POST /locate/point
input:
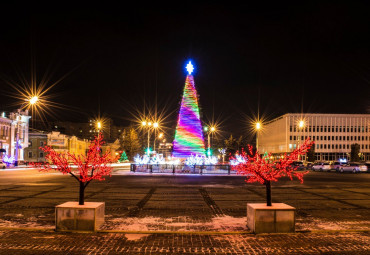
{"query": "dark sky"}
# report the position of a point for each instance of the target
(310, 57)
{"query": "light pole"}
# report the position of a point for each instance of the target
(99, 126)
(301, 125)
(258, 127)
(209, 131)
(155, 126)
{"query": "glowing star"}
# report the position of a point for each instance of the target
(189, 67)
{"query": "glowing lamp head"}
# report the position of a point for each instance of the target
(155, 124)
(213, 129)
(33, 100)
(160, 135)
(206, 129)
(301, 124)
(258, 126)
(189, 68)
(143, 123)
(149, 123)
(99, 125)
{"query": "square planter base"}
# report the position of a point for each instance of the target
(72, 216)
(278, 218)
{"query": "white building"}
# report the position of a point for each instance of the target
(333, 134)
(14, 133)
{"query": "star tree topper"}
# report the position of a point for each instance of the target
(189, 68)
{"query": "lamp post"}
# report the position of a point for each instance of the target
(258, 127)
(209, 131)
(155, 126)
(301, 125)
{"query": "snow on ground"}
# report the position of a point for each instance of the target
(181, 223)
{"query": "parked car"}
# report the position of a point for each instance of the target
(336, 165)
(368, 166)
(298, 165)
(353, 167)
(321, 166)
(2, 165)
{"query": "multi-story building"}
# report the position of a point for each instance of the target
(333, 134)
(33, 153)
(14, 134)
(59, 142)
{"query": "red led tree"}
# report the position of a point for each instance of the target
(94, 166)
(262, 170)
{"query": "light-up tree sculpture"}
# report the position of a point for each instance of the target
(189, 138)
(260, 169)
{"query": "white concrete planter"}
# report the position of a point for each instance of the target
(278, 218)
(72, 216)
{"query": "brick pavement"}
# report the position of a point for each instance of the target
(49, 242)
(192, 208)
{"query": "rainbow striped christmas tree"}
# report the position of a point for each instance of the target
(189, 134)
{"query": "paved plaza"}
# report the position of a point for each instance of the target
(184, 214)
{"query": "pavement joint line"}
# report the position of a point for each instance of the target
(329, 198)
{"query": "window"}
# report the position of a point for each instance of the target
(321, 138)
(328, 146)
(336, 129)
(324, 146)
(313, 129)
(295, 129)
(291, 128)
(30, 154)
(359, 138)
(302, 137)
(336, 146)
(317, 146)
(321, 129)
(347, 146)
(347, 138)
(309, 129)
(41, 154)
(347, 129)
(41, 144)
(317, 138)
(344, 138)
(351, 129)
(314, 138)
(325, 129)
(363, 138)
(324, 138)
(362, 146)
(351, 138)
(329, 137)
(340, 129)
(295, 138)
(290, 138)
(320, 146)
(355, 129)
(340, 146)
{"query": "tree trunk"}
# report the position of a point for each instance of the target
(81, 200)
(268, 193)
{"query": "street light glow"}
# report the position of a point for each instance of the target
(149, 123)
(33, 100)
(143, 123)
(99, 125)
(301, 124)
(155, 124)
(258, 126)
(206, 129)
(213, 129)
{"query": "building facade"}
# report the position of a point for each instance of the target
(14, 134)
(33, 153)
(333, 134)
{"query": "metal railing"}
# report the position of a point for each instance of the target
(182, 169)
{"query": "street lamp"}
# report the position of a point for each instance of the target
(301, 125)
(99, 126)
(258, 127)
(209, 131)
(155, 126)
(33, 100)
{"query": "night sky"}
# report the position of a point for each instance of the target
(274, 57)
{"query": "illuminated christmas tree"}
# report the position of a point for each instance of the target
(189, 133)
